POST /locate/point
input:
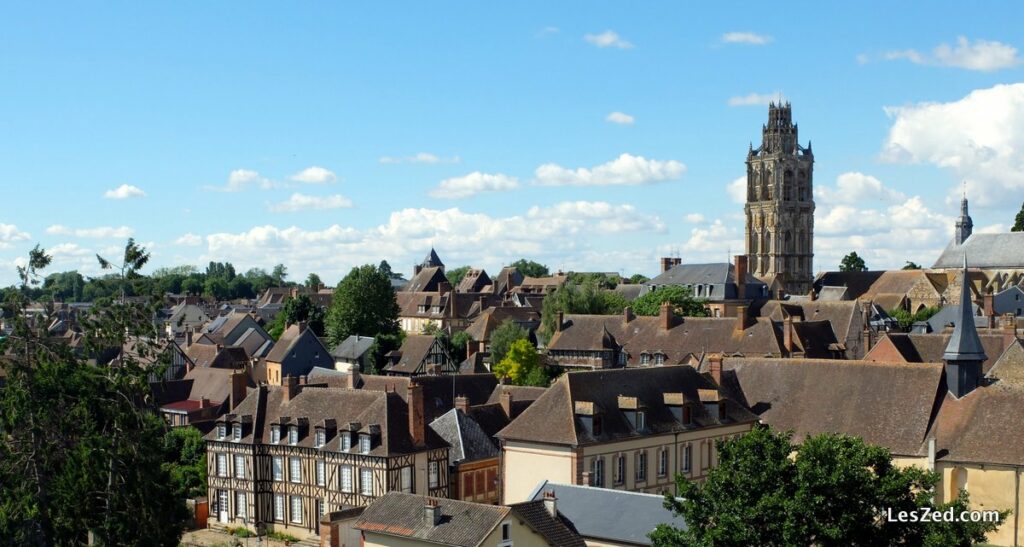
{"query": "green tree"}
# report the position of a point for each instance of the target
(636, 279)
(1018, 222)
(852, 263)
(216, 288)
(65, 286)
(260, 280)
(313, 281)
(430, 328)
(911, 266)
(830, 490)
(459, 343)
(134, 259)
(364, 303)
(680, 298)
(192, 285)
(530, 268)
(602, 280)
(587, 298)
(504, 336)
(295, 310)
(385, 269)
(279, 275)
(185, 461)
(519, 363)
(455, 275)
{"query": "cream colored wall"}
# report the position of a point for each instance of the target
(380, 540)
(903, 462)
(521, 536)
(700, 441)
(990, 487)
(525, 465)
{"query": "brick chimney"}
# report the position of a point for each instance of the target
(787, 334)
(431, 512)
(715, 367)
(561, 321)
(417, 269)
(666, 264)
(462, 403)
(585, 479)
(665, 316)
(506, 402)
(550, 503)
(417, 425)
(204, 403)
(291, 387)
(444, 287)
(188, 337)
(743, 319)
(352, 380)
(990, 312)
(627, 314)
(741, 277)
(238, 391)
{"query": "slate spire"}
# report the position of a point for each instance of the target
(964, 352)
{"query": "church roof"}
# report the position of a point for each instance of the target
(1004, 250)
(964, 344)
(432, 260)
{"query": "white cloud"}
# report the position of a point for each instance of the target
(125, 191)
(314, 175)
(625, 170)
(421, 157)
(694, 218)
(472, 184)
(982, 55)
(9, 233)
(857, 189)
(301, 202)
(240, 179)
(189, 240)
(714, 241)
(620, 118)
(750, 38)
(99, 232)
(979, 139)
(737, 190)
(608, 38)
(755, 99)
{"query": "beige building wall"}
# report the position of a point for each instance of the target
(525, 465)
(521, 536)
(991, 487)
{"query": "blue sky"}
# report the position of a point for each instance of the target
(339, 125)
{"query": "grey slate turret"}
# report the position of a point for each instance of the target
(964, 353)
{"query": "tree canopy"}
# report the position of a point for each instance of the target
(911, 266)
(530, 268)
(679, 298)
(587, 298)
(504, 336)
(521, 365)
(1018, 221)
(455, 275)
(852, 263)
(830, 490)
(298, 309)
(364, 303)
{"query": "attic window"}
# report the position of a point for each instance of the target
(645, 358)
(293, 435)
(421, 308)
(346, 441)
(275, 433)
(597, 425)
(364, 444)
(222, 430)
(321, 437)
(641, 420)
(237, 432)
(659, 359)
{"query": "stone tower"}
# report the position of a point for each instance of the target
(964, 224)
(780, 205)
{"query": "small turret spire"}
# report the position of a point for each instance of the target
(964, 352)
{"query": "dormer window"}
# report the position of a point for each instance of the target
(222, 430)
(364, 444)
(659, 359)
(293, 435)
(346, 441)
(237, 432)
(321, 437)
(645, 358)
(641, 420)
(597, 425)
(275, 434)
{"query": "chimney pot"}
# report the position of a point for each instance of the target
(238, 389)
(585, 479)
(787, 334)
(561, 321)
(743, 319)
(291, 387)
(715, 367)
(627, 314)
(741, 276)
(432, 512)
(417, 426)
(550, 503)
(666, 316)
(352, 380)
(506, 402)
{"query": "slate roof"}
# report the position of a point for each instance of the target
(474, 281)
(468, 441)
(964, 343)
(211, 356)
(1008, 369)
(426, 280)
(552, 417)
(432, 260)
(610, 515)
(353, 347)
(951, 315)
(687, 336)
(888, 404)
(412, 354)
(856, 283)
(402, 515)
(507, 279)
(983, 426)
(692, 274)
(519, 393)
(1002, 250)
(558, 531)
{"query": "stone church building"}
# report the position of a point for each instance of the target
(779, 237)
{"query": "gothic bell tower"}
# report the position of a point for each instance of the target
(779, 211)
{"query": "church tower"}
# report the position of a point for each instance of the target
(780, 205)
(964, 224)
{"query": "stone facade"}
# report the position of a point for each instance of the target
(780, 204)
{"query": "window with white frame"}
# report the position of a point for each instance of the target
(293, 435)
(346, 441)
(364, 444)
(641, 420)
(277, 463)
(296, 509)
(663, 463)
(279, 507)
(294, 470)
(406, 479)
(687, 458)
(275, 435)
(645, 358)
(222, 430)
(506, 531)
(222, 465)
(239, 466)
(240, 504)
(320, 508)
(641, 466)
(345, 478)
(433, 475)
(237, 432)
(321, 473)
(597, 472)
(620, 469)
(366, 482)
(321, 437)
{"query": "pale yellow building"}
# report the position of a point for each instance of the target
(627, 429)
